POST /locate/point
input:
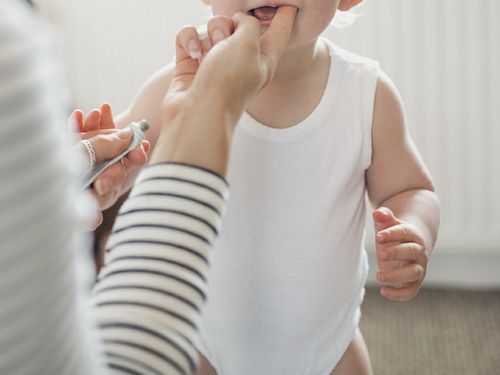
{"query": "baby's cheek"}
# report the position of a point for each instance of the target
(227, 8)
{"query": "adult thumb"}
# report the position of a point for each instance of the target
(107, 146)
(384, 218)
(276, 38)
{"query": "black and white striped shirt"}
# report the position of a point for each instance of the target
(146, 304)
(149, 294)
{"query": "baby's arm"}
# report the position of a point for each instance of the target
(146, 105)
(400, 186)
(148, 102)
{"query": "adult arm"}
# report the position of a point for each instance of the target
(42, 321)
(151, 290)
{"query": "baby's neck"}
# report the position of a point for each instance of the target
(293, 62)
(296, 89)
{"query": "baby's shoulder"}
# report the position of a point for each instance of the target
(341, 56)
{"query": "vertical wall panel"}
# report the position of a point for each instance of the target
(445, 58)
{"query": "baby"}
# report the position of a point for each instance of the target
(288, 275)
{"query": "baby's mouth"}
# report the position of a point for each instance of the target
(265, 13)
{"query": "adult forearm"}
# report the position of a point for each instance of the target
(419, 207)
(150, 293)
(198, 136)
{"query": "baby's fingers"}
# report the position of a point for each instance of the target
(92, 121)
(410, 273)
(409, 251)
(107, 120)
(75, 121)
(399, 233)
(405, 293)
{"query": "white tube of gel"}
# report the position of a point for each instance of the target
(138, 130)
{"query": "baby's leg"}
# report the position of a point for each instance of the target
(205, 368)
(356, 360)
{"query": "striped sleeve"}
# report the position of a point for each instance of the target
(42, 328)
(149, 295)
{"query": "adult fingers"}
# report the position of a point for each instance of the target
(107, 146)
(188, 45)
(275, 39)
(246, 27)
(219, 28)
(107, 120)
(105, 190)
(189, 51)
(98, 219)
(138, 156)
(109, 183)
(92, 121)
(114, 177)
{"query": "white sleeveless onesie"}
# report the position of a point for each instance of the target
(289, 268)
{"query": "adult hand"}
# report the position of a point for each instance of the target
(99, 128)
(213, 80)
(402, 256)
(237, 60)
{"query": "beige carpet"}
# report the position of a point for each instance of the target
(441, 332)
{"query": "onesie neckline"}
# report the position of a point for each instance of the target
(267, 133)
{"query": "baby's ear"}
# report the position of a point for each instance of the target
(207, 2)
(345, 5)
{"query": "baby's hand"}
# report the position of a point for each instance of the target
(401, 254)
(107, 188)
(95, 120)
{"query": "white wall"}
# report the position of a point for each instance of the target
(113, 46)
(443, 55)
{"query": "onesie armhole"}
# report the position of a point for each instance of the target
(368, 103)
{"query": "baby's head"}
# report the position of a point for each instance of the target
(313, 16)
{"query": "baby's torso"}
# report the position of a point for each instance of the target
(289, 267)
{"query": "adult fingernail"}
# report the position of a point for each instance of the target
(194, 50)
(103, 186)
(218, 36)
(124, 133)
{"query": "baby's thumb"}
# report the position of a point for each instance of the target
(384, 218)
(107, 146)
